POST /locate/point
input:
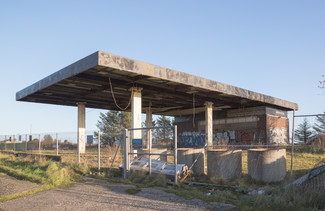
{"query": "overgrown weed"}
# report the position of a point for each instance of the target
(287, 199)
(147, 180)
(40, 170)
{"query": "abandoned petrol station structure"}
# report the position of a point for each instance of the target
(224, 113)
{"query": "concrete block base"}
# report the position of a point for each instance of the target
(187, 156)
(267, 165)
(224, 163)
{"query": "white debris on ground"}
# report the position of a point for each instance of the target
(159, 167)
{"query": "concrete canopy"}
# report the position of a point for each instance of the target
(169, 92)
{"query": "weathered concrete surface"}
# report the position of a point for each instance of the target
(267, 165)
(100, 195)
(209, 122)
(224, 163)
(122, 63)
(82, 127)
(69, 71)
(187, 156)
(101, 65)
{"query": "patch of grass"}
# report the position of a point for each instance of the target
(219, 181)
(310, 149)
(146, 180)
(26, 193)
(40, 170)
(133, 190)
(20, 174)
(108, 176)
(208, 195)
(286, 199)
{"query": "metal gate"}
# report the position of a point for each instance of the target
(138, 142)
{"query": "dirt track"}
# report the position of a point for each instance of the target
(99, 195)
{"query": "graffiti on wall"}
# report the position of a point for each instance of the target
(245, 138)
(224, 137)
(193, 139)
(278, 136)
(261, 137)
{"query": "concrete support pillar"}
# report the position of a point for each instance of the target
(81, 127)
(136, 110)
(209, 122)
(149, 124)
(148, 118)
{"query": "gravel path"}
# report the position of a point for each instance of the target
(10, 185)
(100, 195)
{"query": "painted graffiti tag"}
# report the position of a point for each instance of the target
(193, 139)
(224, 137)
(245, 138)
(278, 135)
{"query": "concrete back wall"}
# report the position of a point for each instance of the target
(257, 125)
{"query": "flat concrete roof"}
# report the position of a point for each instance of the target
(168, 91)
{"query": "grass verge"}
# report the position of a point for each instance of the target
(25, 193)
(48, 173)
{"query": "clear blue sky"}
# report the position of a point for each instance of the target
(272, 47)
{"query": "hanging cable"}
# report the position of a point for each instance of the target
(123, 109)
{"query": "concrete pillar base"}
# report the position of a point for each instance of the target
(81, 127)
(188, 155)
(267, 165)
(224, 163)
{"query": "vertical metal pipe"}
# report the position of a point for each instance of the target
(150, 145)
(14, 143)
(39, 144)
(126, 155)
(98, 151)
(293, 143)
(26, 143)
(175, 153)
(57, 145)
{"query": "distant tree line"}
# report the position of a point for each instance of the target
(112, 123)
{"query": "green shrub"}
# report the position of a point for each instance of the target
(57, 176)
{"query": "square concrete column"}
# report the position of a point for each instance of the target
(209, 122)
(81, 127)
(136, 110)
(149, 124)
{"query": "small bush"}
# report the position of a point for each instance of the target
(57, 176)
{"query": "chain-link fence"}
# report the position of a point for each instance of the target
(249, 164)
(65, 145)
(230, 164)
(238, 164)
